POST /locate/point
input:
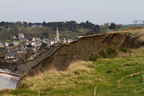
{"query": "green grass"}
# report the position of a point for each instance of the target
(121, 76)
(130, 26)
(52, 36)
(8, 41)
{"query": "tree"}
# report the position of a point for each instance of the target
(135, 22)
(45, 35)
(72, 25)
(2, 24)
(44, 24)
(97, 28)
(25, 24)
(112, 26)
(94, 30)
(43, 46)
(30, 24)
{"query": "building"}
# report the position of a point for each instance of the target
(22, 49)
(19, 56)
(10, 55)
(15, 43)
(20, 35)
(57, 35)
(6, 44)
(1, 45)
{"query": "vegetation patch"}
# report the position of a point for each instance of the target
(108, 53)
(125, 50)
(120, 76)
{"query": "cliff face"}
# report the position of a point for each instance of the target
(21, 68)
(61, 57)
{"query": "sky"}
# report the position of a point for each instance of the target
(95, 11)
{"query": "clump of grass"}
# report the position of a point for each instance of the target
(103, 54)
(26, 92)
(93, 57)
(125, 50)
(108, 53)
(118, 76)
(5, 91)
(75, 76)
(112, 52)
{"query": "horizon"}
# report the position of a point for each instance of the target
(97, 12)
(70, 20)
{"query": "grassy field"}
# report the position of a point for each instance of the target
(130, 26)
(120, 76)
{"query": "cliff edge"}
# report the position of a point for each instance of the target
(64, 55)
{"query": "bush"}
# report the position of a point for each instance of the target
(103, 54)
(93, 57)
(124, 50)
(108, 53)
(111, 52)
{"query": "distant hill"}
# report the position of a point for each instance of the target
(68, 29)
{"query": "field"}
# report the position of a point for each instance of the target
(120, 76)
(130, 26)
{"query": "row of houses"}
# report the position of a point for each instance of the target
(6, 44)
(33, 43)
(15, 54)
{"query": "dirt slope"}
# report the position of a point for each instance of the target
(83, 48)
(24, 67)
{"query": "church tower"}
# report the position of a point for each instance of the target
(57, 35)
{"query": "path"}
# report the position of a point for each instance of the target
(130, 75)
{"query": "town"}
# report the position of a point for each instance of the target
(23, 49)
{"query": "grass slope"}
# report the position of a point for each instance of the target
(120, 76)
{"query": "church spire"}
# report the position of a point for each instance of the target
(57, 35)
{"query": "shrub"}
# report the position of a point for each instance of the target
(24, 86)
(108, 53)
(111, 52)
(124, 50)
(103, 54)
(93, 57)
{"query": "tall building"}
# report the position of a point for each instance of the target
(20, 35)
(57, 35)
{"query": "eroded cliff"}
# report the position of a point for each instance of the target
(24, 67)
(64, 55)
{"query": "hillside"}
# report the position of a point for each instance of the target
(81, 49)
(111, 77)
(118, 76)
(68, 29)
(40, 32)
(117, 69)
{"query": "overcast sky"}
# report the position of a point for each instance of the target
(96, 11)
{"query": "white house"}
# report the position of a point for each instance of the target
(15, 43)
(52, 42)
(1, 45)
(6, 44)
